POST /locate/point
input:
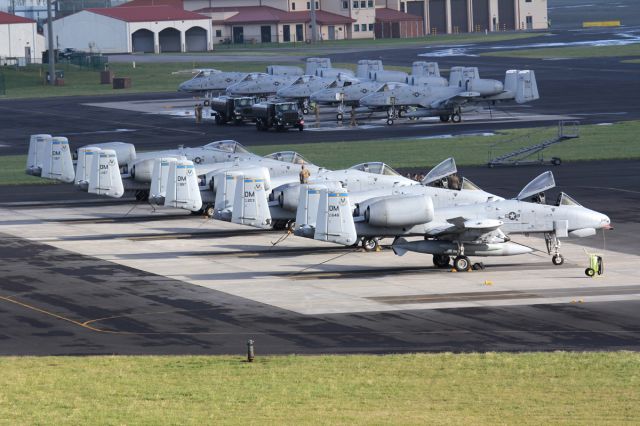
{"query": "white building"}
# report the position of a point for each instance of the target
(134, 29)
(19, 38)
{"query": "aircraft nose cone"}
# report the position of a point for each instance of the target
(605, 222)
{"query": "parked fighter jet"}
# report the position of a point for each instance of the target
(474, 229)
(210, 81)
(306, 85)
(448, 102)
(371, 76)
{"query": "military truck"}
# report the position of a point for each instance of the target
(281, 115)
(232, 109)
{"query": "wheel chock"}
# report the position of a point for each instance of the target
(487, 282)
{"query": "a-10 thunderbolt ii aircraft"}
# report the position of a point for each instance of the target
(465, 90)
(265, 86)
(349, 94)
(208, 82)
(479, 229)
(50, 157)
(363, 182)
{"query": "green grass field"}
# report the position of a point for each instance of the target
(535, 388)
(12, 171)
(146, 77)
(571, 52)
(616, 141)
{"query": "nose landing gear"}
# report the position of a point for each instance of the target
(553, 246)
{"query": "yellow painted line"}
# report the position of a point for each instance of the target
(51, 314)
(592, 24)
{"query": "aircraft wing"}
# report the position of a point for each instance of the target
(463, 229)
(457, 99)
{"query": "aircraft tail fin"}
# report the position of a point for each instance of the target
(38, 145)
(105, 176)
(58, 164)
(527, 87)
(335, 220)
(159, 179)
(182, 186)
(250, 206)
(86, 156)
(307, 211)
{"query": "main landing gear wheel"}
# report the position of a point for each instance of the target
(208, 211)
(461, 263)
(370, 244)
(441, 260)
(401, 113)
(444, 118)
(589, 272)
(456, 118)
(305, 111)
(557, 260)
(389, 121)
(556, 161)
(339, 116)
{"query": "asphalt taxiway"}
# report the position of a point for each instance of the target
(102, 279)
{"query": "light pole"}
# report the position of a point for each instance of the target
(51, 55)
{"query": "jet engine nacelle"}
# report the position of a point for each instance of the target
(288, 196)
(423, 81)
(485, 87)
(125, 152)
(388, 76)
(142, 170)
(38, 145)
(405, 210)
(284, 70)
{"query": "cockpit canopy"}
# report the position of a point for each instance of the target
(375, 168)
(229, 146)
(566, 200)
(287, 157)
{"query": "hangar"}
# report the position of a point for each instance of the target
(152, 29)
(19, 38)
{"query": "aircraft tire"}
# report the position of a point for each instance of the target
(556, 161)
(305, 111)
(444, 118)
(339, 116)
(589, 272)
(557, 260)
(389, 121)
(461, 263)
(401, 113)
(456, 118)
(441, 260)
(370, 244)
(208, 210)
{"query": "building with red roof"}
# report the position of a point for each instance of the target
(127, 29)
(19, 40)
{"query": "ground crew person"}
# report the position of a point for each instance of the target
(198, 113)
(304, 175)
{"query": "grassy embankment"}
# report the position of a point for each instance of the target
(534, 388)
(617, 141)
(629, 50)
